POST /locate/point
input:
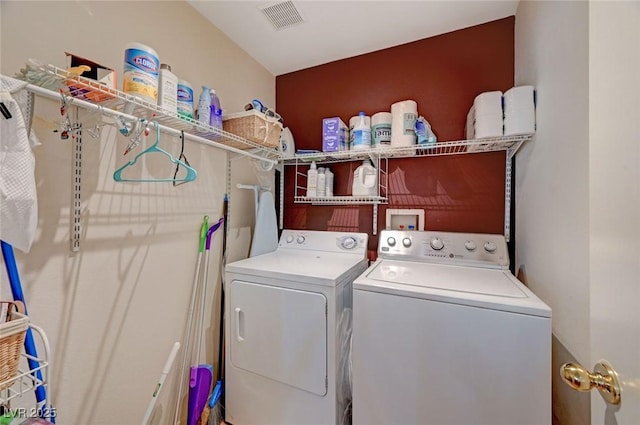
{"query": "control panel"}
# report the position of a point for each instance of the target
(315, 240)
(473, 249)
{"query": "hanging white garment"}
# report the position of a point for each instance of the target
(18, 201)
(265, 233)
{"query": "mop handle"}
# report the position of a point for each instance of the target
(163, 376)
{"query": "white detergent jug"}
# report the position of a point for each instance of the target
(365, 180)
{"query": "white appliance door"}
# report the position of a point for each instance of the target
(280, 333)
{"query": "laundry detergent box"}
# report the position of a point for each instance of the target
(95, 83)
(334, 134)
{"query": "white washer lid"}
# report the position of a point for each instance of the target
(316, 267)
(480, 287)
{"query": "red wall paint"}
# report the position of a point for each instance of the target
(443, 74)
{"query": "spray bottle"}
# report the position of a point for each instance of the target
(215, 119)
(204, 106)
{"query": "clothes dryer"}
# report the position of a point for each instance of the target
(444, 334)
(288, 314)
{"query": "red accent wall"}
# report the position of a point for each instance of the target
(443, 74)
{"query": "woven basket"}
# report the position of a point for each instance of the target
(253, 126)
(12, 333)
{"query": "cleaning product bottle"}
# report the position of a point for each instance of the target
(168, 89)
(312, 181)
(185, 99)
(140, 76)
(322, 183)
(362, 133)
(365, 180)
(216, 110)
(329, 183)
(204, 106)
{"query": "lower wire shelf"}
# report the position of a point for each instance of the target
(18, 395)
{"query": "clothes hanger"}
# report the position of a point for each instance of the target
(191, 172)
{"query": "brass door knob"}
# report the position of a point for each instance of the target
(604, 378)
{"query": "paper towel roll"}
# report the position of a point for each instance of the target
(519, 113)
(521, 97)
(403, 121)
(521, 121)
(488, 103)
(488, 126)
(381, 130)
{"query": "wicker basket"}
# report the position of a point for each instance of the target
(12, 333)
(253, 126)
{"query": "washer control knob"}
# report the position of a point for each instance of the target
(289, 238)
(300, 239)
(437, 244)
(349, 242)
(490, 246)
(391, 241)
(406, 242)
(470, 245)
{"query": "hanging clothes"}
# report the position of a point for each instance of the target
(18, 200)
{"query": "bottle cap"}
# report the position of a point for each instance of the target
(165, 66)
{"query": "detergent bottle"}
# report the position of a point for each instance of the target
(365, 180)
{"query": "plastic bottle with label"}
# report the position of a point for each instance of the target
(362, 133)
(322, 183)
(312, 181)
(185, 99)
(365, 180)
(216, 110)
(168, 89)
(141, 68)
(204, 106)
(329, 183)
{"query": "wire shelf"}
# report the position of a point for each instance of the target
(507, 143)
(86, 89)
(28, 378)
(341, 200)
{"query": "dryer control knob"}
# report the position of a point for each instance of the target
(470, 245)
(300, 239)
(391, 241)
(406, 242)
(289, 238)
(349, 242)
(437, 244)
(490, 246)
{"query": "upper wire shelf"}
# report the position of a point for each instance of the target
(86, 89)
(507, 143)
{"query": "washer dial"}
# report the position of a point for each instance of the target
(490, 246)
(349, 242)
(437, 244)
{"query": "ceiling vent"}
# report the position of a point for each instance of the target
(282, 15)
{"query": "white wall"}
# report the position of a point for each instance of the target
(552, 182)
(113, 310)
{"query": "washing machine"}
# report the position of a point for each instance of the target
(288, 317)
(444, 334)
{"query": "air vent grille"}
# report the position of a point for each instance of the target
(283, 15)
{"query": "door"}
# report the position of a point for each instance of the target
(279, 333)
(614, 198)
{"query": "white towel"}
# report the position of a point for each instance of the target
(265, 233)
(18, 201)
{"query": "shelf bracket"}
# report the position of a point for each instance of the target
(507, 199)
